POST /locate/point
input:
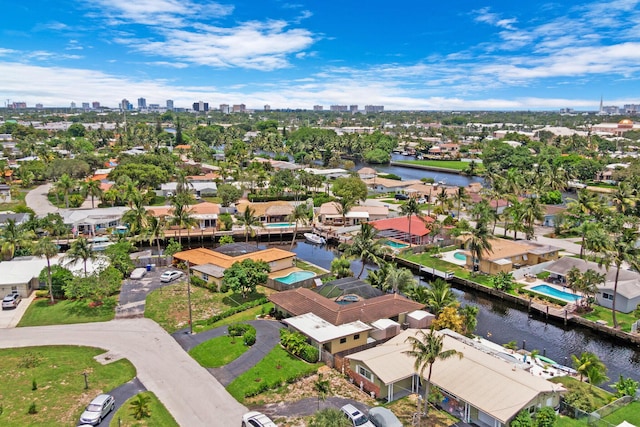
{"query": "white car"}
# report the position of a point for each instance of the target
(11, 301)
(357, 418)
(98, 409)
(170, 275)
(256, 419)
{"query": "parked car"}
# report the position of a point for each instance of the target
(357, 418)
(400, 196)
(98, 409)
(170, 275)
(138, 273)
(422, 201)
(382, 417)
(11, 301)
(256, 419)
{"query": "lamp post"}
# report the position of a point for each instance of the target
(189, 297)
(86, 380)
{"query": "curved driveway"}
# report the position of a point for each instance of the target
(189, 392)
(37, 200)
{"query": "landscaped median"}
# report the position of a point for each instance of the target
(158, 414)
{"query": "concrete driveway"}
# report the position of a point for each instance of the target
(37, 200)
(189, 392)
(10, 318)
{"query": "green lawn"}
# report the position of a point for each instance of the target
(243, 316)
(310, 267)
(601, 313)
(168, 306)
(427, 260)
(273, 370)
(41, 312)
(160, 417)
(446, 164)
(218, 351)
(564, 421)
(630, 413)
(598, 396)
(60, 396)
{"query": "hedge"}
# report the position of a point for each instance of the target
(231, 312)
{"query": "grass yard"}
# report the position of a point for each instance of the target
(597, 395)
(218, 351)
(601, 313)
(630, 413)
(60, 396)
(273, 370)
(427, 260)
(243, 316)
(456, 165)
(310, 267)
(168, 306)
(63, 312)
(564, 421)
(160, 417)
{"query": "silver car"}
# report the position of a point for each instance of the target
(11, 301)
(170, 275)
(98, 409)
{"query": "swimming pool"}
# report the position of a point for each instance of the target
(395, 245)
(555, 293)
(460, 256)
(279, 225)
(296, 276)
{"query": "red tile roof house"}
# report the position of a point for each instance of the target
(398, 228)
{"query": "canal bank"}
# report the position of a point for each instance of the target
(426, 167)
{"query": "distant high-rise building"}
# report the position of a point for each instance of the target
(39, 106)
(18, 105)
(267, 107)
(201, 106)
(339, 108)
(169, 104)
(225, 108)
(85, 106)
(142, 104)
(125, 105)
(73, 105)
(353, 108)
(239, 108)
(95, 105)
(317, 108)
(373, 108)
(631, 108)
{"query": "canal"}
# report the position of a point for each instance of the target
(502, 322)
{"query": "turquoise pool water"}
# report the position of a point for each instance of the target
(395, 245)
(555, 293)
(460, 256)
(279, 225)
(296, 276)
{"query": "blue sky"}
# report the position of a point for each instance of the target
(414, 54)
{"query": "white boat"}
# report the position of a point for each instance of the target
(314, 238)
(99, 243)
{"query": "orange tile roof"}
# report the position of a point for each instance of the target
(401, 223)
(301, 300)
(197, 209)
(207, 256)
(98, 177)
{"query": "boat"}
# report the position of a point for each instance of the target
(99, 243)
(314, 238)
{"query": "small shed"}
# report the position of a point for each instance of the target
(383, 329)
(420, 319)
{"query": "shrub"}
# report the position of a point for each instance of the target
(310, 354)
(32, 409)
(249, 338)
(238, 329)
(231, 311)
(196, 281)
(34, 385)
(42, 293)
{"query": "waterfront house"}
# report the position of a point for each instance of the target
(386, 185)
(367, 173)
(205, 214)
(507, 255)
(329, 214)
(628, 293)
(197, 188)
(93, 221)
(268, 212)
(398, 228)
(477, 388)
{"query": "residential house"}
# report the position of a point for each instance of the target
(210, 265)
(506, 255)
(478, 388)
(328, 173)
(448, 150)
(398, 228)
(197, 188)
(551, 212)
(628, 292)
(367, 173)
(205, 214)
(18, 218)
(268, 212)
(329, 214)
(93, 221)
(386, 185)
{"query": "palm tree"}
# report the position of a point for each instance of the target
(341, 267)
(45, 247)
(80, 250)
(439, 296)
(137, 217)
(13, 237)
(155, 230)
(408, 209)
(299, 214)
(532, 212)
(399, 279)
(366, 246)
(623, 198)
(92, 188)
(426, 349)
(344, 206)
(181, 216)
(460, 197)
(443, 198)
(586, 362)
(248, 221)
(513, 182)
(65, 185)
(515, 212)
(620, 248)
(478, 243)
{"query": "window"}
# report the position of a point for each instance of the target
(343, 340)
(205, 277)
(364, 372)
(356, 337)
(607, 296)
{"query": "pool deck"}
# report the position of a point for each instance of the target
(283, 272)
(539, 282)
(449, 257)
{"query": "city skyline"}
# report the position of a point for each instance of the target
(474, 56)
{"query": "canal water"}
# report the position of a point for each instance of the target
(502, 322)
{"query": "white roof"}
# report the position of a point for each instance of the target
(486, 382)
(322, 331)
(22, 269)
(420, 314)
(384, 324)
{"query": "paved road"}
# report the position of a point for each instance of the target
(188, 391)
(37, 200)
